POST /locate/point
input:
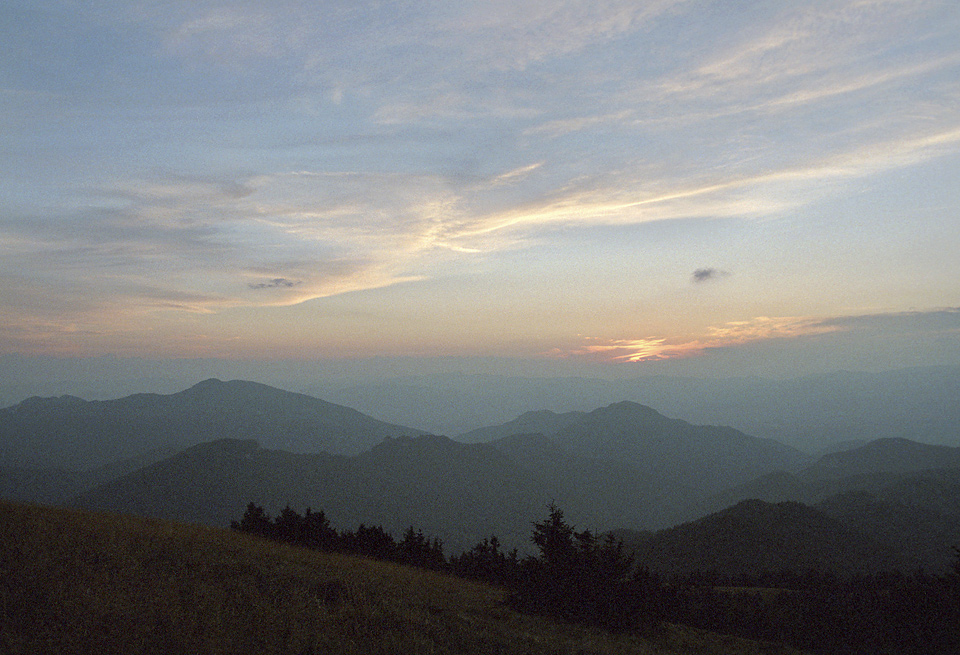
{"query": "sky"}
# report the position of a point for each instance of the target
(613, 186)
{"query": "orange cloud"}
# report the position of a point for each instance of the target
(638, 350)
(734, 333)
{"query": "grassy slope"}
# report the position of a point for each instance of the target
(80, 582)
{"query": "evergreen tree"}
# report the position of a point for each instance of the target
(578, 577)
(554, 538)
(254, 521)
(288, 526)
(317, 532)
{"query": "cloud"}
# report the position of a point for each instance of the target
(723, 336)
(767, 327)
(637, 350)
(175, 244)
(511, 35)
(390, 227)
(275, 283)
(729, 194)
(561, 126)
(706, 274)
(459, 131)
(896, 327)
(355, 230)
(234, 35)
(801, 44)
(943, 320)
(516, 174)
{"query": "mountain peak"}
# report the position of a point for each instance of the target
(536, 414)
(708, 458)
(208, 383)
(635, 414)
(215, 384)
(72, 433)
(628, 406)
(226, 445)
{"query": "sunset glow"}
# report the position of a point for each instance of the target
(672, 179)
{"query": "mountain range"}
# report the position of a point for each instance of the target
(71, 433)
(461, 492)
(202, 454)
(908, 522)
(811, 413)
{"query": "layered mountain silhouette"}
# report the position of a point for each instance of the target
(671, 451)
(811, 413)
(75, 434)
(542, 422)
(720, 498)
(894, 455)
(872, 467)
(460, 492)
(851, 532)
(890, 504)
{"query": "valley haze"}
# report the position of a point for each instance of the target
(456, 397)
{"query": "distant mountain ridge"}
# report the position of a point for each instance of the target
(810, 412)
(621, 465)
(466, 492)
(72, 433)
(853, 532)
(895, 455)
(890, 504)
(542, 422)
(201, 454)
(871, 467)
(672, 451)
(461, 492)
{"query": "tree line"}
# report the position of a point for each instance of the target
(584, 577)
(313, 530)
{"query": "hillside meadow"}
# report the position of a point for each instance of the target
(81, 582)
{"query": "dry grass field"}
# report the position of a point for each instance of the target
(80, 582)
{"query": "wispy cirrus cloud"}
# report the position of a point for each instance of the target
(212, 158)
(351, 231)
(347, 238)
(509, 35)
(636, 350)
(202, 245)
(807, 40)
(729, 193)
(561, 126)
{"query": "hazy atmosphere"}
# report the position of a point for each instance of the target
(543, 188)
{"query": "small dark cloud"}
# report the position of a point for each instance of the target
(706, 274)
(275, 283)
